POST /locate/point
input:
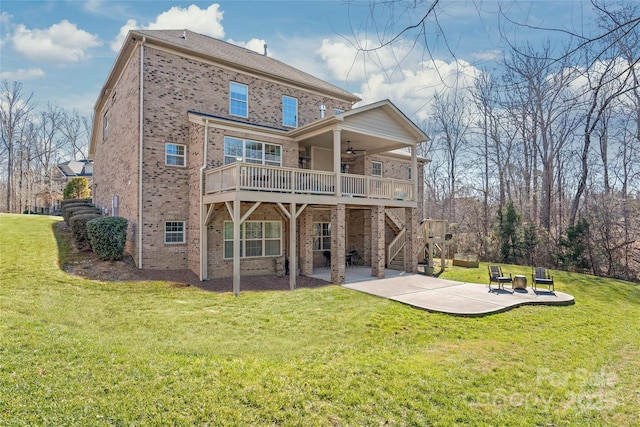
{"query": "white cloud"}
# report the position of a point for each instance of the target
(397, 73)
(22, 74)
(61, 43)
(414, 91)
(347, 61)
(116, 44)
(204, 21)
(490, 55)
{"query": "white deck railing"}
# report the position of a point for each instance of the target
(251, 177)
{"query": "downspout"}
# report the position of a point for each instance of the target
(203, 214)
(140, 148)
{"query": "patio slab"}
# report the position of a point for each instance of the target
(447, 296)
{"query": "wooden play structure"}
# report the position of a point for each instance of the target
(433, 233)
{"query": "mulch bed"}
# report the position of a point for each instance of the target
(86, 264)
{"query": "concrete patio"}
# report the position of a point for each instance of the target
(446, 296)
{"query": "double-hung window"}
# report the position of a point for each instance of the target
(257, 239)
(174, 155)
(376, 168)
(289, 111)
(174, 232)
(238, 96)
(244, 150)
(321, 233)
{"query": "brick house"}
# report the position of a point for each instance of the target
(227, 162)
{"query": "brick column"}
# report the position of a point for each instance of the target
(366, 249)
(338, 234)
(377, 242)
(305, 244)
(411, 236)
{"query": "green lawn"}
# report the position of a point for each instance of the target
(77, 352)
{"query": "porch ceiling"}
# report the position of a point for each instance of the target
(370, 144)
(373, 128)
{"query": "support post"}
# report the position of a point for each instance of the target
(411, 251)
(236, 247)
(338, 236)
(305, 243)
(293, 252)
(336, 160)
(377, 242)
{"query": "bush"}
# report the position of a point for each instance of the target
(66, 202)
(108, 236)
(79, 229)
(72, 210)
(78, 188)
(76, 202)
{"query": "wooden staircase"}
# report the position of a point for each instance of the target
(395, 249)
(397, 263)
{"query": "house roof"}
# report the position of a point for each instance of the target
(239, 58)
(217, 51)
(374, 128)
(75, 168)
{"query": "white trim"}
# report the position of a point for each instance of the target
(140, 153)
(378, 163)
(244, 239)
(183, 232)
(177, 156)
(231, 82)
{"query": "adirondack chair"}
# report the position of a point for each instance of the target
(542, 277)
(496, 276)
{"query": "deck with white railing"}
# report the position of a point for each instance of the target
(252, 177)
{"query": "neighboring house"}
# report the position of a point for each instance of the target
(65, 172)
(75, 168)
(225, 162)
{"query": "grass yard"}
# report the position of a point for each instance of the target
(77, 352)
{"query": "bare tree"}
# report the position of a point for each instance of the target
(73, 127)
(451, 120)
(15, 110)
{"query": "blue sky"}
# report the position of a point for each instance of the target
(62, 51)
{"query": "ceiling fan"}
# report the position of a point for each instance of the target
(350, 149)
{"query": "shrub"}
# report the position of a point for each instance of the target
(67, 202)
(108, 236)
(79, 229)
(78, 188)
(76, 202)
(70, 211)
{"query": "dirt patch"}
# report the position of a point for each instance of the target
(86, 264)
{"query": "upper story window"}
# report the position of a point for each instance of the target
(289, 111)
(174, 232)
(244, 150)
(174, 155)
(105, 125)
(238, 96)
(376, 168)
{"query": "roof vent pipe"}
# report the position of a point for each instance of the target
(265, 49)
(184, 34)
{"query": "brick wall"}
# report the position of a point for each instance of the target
(220, 267)
(174, 85)
(116, 171)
